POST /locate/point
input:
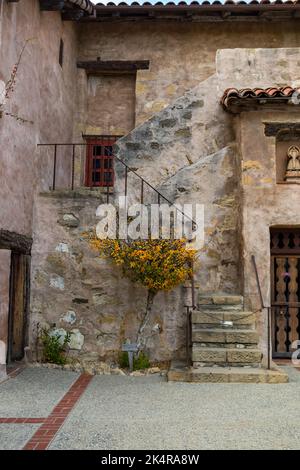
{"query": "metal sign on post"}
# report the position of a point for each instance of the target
(130, 348)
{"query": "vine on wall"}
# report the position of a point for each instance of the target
(9, 88)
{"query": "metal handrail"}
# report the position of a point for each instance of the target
(127, 167)
(263, 306)
(258, 282)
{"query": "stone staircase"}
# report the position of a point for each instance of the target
(224, 345)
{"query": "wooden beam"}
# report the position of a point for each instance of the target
(15, 242)
(114, 65)
(51, 5)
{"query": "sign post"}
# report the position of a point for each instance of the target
(130, 348)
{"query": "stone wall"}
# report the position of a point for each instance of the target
(182, 54)
(75, 290)
(187, 151)
(264, 202)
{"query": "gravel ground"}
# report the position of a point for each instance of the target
(15, 436)
(118, 412)
(34, 392)
(149, 413)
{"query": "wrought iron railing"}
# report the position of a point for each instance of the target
(189, 310)
(264, 307)
(144, 184)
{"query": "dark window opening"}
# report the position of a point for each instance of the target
(100, 161)
(61, 52)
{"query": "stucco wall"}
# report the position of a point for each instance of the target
(264, 202)
(45, 94)
(111, 104)
(181, 54)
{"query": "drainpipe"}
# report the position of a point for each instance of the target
(84, 5)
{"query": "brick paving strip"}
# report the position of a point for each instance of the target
(51, 425)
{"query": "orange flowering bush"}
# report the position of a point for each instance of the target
(155, 264)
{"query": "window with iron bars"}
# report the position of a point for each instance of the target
(100, 161)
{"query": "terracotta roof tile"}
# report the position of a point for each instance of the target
(234, 97)
(200, 3)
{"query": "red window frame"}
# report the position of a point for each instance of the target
(99, 171)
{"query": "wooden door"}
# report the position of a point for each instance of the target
(19, 305)
(285, 272)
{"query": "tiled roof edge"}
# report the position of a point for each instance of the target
(202, 4)
(234, 95)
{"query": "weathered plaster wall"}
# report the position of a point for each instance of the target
(44, 93)
(82, 293)
(111, 104)
(181, 54)
(264, 202)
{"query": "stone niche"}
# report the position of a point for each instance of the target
(287, 151)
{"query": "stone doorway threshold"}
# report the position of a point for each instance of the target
(180, 372)
(286, 362)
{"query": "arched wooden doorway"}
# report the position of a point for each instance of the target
(285, 290)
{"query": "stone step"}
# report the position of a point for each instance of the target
(225, 356)
(221, 300)
(181, 373)
(221, 335)
(213, 317)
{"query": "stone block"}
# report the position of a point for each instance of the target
(77, 339)
(171, 122)
(69, 220)
(60, 333)
(208, 354)
(224, 375)
(57, 282)
(227, 299)
(216, 317)
(183, 133)
(242, 336)
(69, 317)
(62, 248)
(209, 336)
(244, 355)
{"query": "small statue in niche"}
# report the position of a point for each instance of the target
(293, 164)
